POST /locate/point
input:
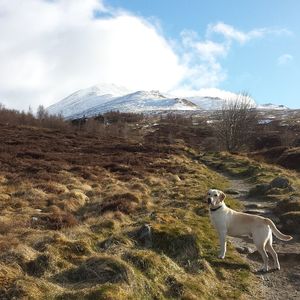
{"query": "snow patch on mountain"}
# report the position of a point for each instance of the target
(86, 98)
(215, 103)
(270, 106)
(101, 98)
(141, 101)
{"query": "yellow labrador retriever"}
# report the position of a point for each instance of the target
(233, 223)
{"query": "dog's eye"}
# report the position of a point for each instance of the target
(215, 195)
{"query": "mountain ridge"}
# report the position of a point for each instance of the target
(104, 97)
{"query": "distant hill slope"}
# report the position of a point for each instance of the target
(110, 97)
(141, 101)
(86, 98)
(270, 106)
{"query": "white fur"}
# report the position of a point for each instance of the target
(233, 223)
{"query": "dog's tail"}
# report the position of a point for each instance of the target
(276, 232)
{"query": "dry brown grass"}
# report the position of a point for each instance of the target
(71, 201)
(56, 220)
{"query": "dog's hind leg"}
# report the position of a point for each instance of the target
(262, 251)
(260, 239)
(271, 250)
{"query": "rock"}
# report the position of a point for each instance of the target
(279, 191)
(144, 235)
(290, 158)
(252, 206)
(295, 276)
(290, 221)
(243, 250)
(232, 192)
(239, 249)
(280, 182)
(34, 219)
(289, 204)
(260, 189)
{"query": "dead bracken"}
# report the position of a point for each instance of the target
(103, 213)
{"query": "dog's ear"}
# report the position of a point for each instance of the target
(222, 196)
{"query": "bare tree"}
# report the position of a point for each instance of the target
(236, 122)
(41, 113)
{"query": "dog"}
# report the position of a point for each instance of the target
(233, 223)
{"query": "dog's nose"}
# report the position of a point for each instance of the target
(209, 200)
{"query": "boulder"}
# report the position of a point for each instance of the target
(260, 189)
(290, 159)
(144, 235)
(280, 182)
(232, 192)
(290, 222)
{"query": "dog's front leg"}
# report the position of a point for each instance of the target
(223, 244)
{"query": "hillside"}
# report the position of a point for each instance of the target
(86, 98)
(140, 102)
(109, 97)
(75, 217)
(103, 98)
(118, 212)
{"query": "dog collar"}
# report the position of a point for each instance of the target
(214, 209)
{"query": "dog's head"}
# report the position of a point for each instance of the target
(215, 197)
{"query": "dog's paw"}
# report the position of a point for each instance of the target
(262, 270)
(221, 256)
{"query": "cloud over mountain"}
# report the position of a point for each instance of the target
(51, 48)
(48, 49)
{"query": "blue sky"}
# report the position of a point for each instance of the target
(52, 48)
(268, 67)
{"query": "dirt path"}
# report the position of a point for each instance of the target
(283, 284)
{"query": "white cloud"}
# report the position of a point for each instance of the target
(284, 59)
(232, 34)
(204, 56)
(227, 31)
(51, 48)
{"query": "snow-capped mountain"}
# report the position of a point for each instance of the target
(102, 98)
(141, 101)
(86, 98)
(215, 103)
(270, 106)
(106, 97)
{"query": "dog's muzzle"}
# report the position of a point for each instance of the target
(209, 200)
